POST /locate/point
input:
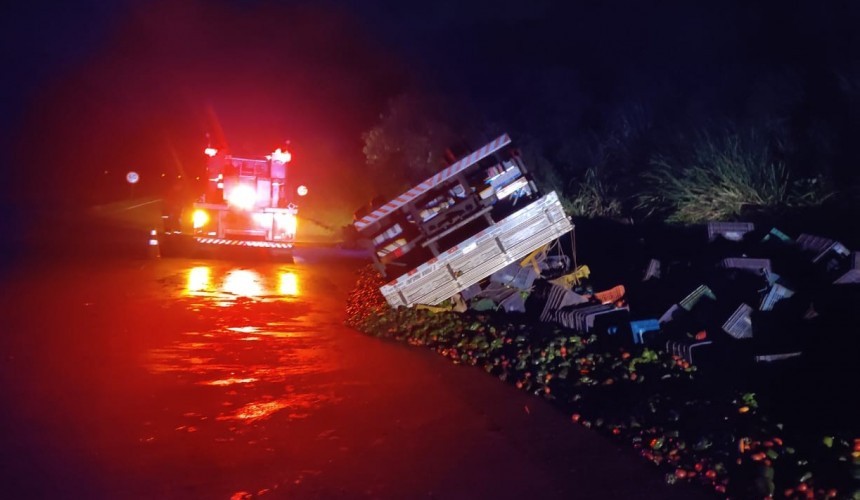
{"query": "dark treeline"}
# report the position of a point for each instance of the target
(596, 94)
(599, 95)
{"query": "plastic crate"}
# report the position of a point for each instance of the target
(652, 270)
(610, 296)
(733, 231)
(770, 358)
(607, 321)
(516, 276)
(686, 350)
(577, 318)
(691, 300)
(670, 313)
(557, 298)
(776, 234)
(818, 247)
(640, 327)
(513, 303)
(776, 293)
(739, 324)
(758, 266)
(853, 273)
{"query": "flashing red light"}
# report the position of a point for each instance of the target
(210, 152)
(281, 156)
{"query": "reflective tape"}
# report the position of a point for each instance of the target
(243, 243)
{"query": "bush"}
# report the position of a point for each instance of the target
(594, 198)
(722, 177)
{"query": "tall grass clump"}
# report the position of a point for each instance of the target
(594, 197)
(722, 177)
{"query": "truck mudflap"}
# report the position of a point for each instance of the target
(479, 256)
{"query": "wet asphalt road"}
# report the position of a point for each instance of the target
(212, 378)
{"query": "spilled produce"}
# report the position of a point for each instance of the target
(696, 427)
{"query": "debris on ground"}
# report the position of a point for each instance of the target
(723, 362)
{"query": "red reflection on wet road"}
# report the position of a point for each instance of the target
(160, 380)
(252, 355)
(199, 280)
(243, 283)
(289, 283)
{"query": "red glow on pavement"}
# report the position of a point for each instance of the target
(299, 406)
(199, 280)
(243, 283)
(257, 410)
(251, 381)
(289, 284)
(230, 381)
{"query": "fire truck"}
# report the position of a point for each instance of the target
(471, 219)
(246, 201)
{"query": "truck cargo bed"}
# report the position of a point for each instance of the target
(477, 257)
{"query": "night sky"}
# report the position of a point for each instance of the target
(115, 86)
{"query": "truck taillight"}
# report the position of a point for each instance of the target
(199, 218)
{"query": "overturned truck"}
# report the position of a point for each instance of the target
(459, 226)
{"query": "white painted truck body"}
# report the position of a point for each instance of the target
(459, 226)
(463, 265)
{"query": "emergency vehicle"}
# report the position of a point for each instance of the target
(246, 201)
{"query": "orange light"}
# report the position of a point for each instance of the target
(242, 197)
(289, 284)
(199, 280)
(210, 152)
(243, 283)
(199, 218)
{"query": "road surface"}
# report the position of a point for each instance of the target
(127, 377)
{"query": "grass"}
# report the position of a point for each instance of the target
(721, 179)
(139, 213)
(594, 198)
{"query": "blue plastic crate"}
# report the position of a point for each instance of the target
(642, 326)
